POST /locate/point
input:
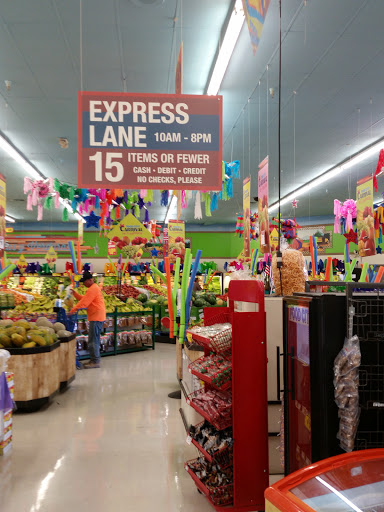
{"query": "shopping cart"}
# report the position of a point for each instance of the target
(70, 322)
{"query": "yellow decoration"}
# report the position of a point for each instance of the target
(21, 264)
(51, 257)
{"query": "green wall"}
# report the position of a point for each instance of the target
(213, 244)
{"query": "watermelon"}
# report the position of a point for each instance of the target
(142, 297)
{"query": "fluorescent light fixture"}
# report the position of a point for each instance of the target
(328, 175)
(17, 156)
(171, 206)
(228, 45)
(12, 152)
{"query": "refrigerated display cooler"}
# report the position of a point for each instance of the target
(345, 483)
(315, 326)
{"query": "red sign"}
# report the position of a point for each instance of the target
(149, 141)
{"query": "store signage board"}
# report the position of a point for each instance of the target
(246, 216)
(176, 240)
(128, 230)
(3, 201)
(149, 141)
(265, 246)
(365, 217)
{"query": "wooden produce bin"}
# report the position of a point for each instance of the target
(37, 375)
(67, 361)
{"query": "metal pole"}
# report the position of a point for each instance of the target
(279, 255)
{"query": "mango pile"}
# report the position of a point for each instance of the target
(23, 334)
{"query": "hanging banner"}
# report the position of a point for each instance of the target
(255, 12)
(247, 216)
(149, 141)
(112, 250)
(3, 200)
(365, 217)
(130, 231)
(179, 72)
(263, 207)
(176, 239)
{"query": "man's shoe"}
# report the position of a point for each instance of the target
(90, 365)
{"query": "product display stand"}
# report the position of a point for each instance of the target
(113, 347)
(246, 313)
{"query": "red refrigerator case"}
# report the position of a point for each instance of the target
(345, 483)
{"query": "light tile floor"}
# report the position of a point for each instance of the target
(112, 442)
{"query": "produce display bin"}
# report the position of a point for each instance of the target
(67, 360)
(36, 374)
(348, 482)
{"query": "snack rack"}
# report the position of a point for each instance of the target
(249, 399)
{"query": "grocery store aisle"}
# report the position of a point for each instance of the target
(113, 441)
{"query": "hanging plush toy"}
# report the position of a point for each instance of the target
(240, 225)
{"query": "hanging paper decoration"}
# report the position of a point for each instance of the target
(39, 193)
(351, 237)
(207, 200)
(289, 229)
(254, 226)
(198, 213)
(295, 203)
(380, 165)
(240, 225)
(337, 212)
(92, 220)
(349, 212)
(164, 197)
(214, 202)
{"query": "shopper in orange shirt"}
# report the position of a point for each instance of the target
(93, 301)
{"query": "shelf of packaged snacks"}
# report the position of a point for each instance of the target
(111, 347)
(218, 370)
(246, 462)
(221, 451)
(219, 496)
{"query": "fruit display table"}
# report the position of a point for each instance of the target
(37, 374)
(67, 361)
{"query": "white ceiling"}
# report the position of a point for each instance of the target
(332, 56)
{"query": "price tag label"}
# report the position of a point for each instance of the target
(190, 371)
(189, 337)
(186, 468)
(189, 440)
(188, 402)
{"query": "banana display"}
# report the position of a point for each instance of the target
(37, 305)
(45, 303)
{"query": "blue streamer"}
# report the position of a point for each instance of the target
(380, 234)
(214, 202)
(97, 202)
(229, 188)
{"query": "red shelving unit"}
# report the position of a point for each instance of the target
(246, 313)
